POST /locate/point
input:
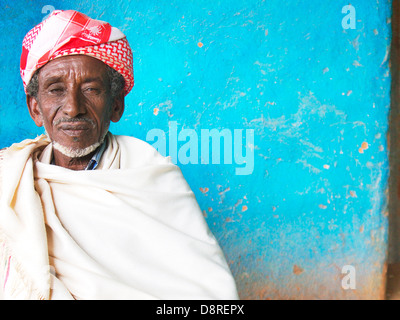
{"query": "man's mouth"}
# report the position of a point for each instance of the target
(75, 127)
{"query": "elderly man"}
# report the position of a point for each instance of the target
(85, 214)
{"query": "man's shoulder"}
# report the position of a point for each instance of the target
(2, 152)
(140, 150)
(1, 161)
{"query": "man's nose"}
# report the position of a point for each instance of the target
(73, 105)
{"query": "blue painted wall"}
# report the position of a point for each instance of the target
(312, 196)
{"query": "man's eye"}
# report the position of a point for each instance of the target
(92, 90)
(56, 90)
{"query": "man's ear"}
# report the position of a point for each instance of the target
(34, 111)
(118, 107)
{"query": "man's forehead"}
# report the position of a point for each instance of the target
(74, 64)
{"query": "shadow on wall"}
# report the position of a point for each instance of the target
(393, 275)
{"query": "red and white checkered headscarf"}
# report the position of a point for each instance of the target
(69, 33)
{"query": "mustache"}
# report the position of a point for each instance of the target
(71, 120)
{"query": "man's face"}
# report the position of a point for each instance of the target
(74, 102)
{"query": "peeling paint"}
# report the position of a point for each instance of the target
(364, 146)
(204, 190)
(297, 270)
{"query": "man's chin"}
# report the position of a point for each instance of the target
(75, 152)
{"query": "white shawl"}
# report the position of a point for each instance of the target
(131, 229)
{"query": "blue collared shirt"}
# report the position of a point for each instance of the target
(94, 162)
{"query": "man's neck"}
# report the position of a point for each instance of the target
(71, 163)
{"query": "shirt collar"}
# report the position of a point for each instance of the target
(94, 162)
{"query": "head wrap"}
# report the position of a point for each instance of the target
(69, 33)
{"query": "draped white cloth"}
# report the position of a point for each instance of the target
(131, 229)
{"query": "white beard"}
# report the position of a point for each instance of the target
(77, 153)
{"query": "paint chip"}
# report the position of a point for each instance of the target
(297, 270)
(326, 166)
(200, 44)
(155, 111)
(244, 208)
(204, 190)
(364, 146)
(322, 206)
